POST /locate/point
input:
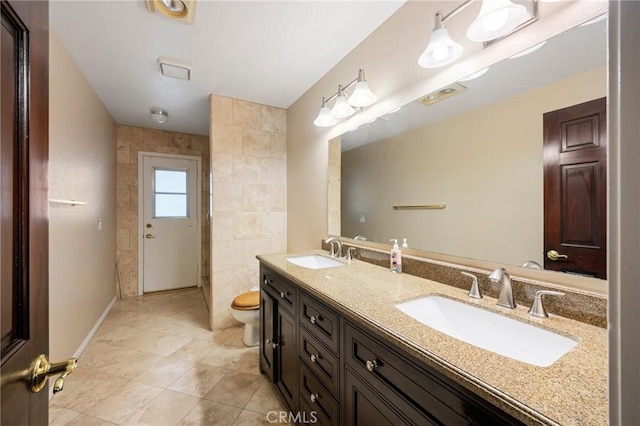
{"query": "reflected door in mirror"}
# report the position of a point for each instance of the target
(575, 171)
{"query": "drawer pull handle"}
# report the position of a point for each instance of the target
(274, 345)
(282, 294)
(372, 365)
(313, 397)
(314, 358)
(314, 319)
(266, 281)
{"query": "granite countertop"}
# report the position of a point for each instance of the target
(572, 391)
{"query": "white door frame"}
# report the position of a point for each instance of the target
(141, 212)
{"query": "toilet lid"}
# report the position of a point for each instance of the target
(247, 301)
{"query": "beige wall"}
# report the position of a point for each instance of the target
(82, 155)
(130, 141)
(389, 56)
(249, 172)
(485, 164)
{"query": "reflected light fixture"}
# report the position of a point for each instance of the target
(529, 50)
(159, 116)
(497, 18)
(345, 106)
(441, 50)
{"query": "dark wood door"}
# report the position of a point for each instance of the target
(23, 206)
(575, 189)
(286, 355)
(266, 334)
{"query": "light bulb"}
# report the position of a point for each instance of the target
(342, 109)
(496, 19)
(324, 119)
(441, 50)
(362, 96)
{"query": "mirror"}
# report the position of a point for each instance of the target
(479, 153)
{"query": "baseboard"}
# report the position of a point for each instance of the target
(87, 339)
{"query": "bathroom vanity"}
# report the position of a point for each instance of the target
(338, 349)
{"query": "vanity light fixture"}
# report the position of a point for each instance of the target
(529, 50)
(475, 75)
(344, 104)
(497, 18)
(441, 50)
(159, 116)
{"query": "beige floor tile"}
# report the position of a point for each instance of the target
(251, 418)
(164, 372)
(235, 388)
(199, 380)
(265, 400)
(113, 334)
(84, 420)
(194, 350)
(209, 413)
(229, 357)
(168, 408)
(154, 342)
(60, 416)
(124, 403)
(83, 394)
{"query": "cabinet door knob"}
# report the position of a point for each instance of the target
(268, 341)
(314, 358)
(282, 294)
(274, 345)
(313, 397)
(266, 281)
(313, 319)
(372, 365)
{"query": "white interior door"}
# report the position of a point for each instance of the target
(169, 225)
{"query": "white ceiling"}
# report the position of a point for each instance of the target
(269, 52)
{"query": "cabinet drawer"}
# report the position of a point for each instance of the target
(281, 290)
(319, 360)
(322, 322)
(315, 400)
(422, 389)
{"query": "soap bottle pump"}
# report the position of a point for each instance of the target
(396, 257)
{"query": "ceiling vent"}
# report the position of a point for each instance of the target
(173, 69)
(178, 10)
(442, 94)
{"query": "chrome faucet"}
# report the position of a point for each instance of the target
(500, 276)
(333, 253)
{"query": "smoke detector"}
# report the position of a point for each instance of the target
(173, 69)
(178, 10)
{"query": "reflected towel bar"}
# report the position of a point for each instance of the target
(425, 207)
(70, 202)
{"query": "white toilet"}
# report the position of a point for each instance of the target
(246, 309)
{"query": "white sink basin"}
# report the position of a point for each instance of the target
(490, 331)
(314, 261)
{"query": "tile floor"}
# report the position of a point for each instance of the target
(154, 362)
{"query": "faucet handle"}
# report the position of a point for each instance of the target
(537, 308)
(349, 256)
(474, 293)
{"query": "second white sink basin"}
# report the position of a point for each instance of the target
(314, 261)
(488, 330)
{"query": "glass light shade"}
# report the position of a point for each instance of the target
(342, 109)
(324, 119)
(362, 96)
(496, 19)
(475, 74)
(440, 51)
(527, 51)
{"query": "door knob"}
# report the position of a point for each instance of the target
(554, 255)
(42, 369)
(148, 225)
(148, 236)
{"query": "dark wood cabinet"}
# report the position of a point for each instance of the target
(330, 370)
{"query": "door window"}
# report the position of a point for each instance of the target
(170, 193)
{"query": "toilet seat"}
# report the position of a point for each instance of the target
(249, 301)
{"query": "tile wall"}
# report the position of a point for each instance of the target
(130, 141)
(249, 174)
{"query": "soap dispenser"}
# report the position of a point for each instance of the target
(396, 257)
(404, 243)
